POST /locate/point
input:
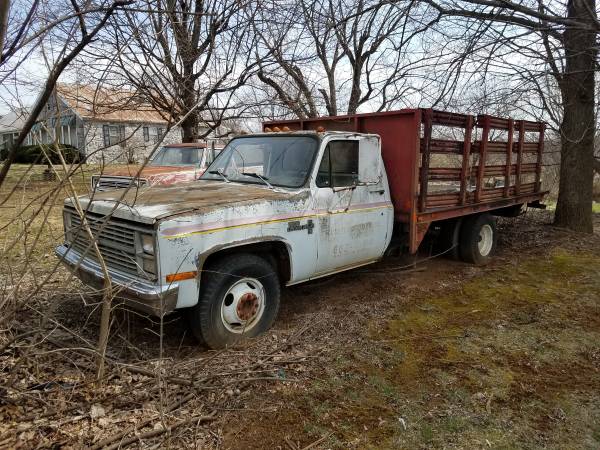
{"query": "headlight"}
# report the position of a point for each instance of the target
(148, 243)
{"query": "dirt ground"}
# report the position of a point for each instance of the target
(436, 355)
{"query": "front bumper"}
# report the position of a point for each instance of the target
(140, 295)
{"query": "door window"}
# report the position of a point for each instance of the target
(339, 165)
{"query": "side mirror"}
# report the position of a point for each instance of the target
(369, 160)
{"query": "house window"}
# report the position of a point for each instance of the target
(113, 134)
(159, 133)
(339, 166)
(66, 134)
(146, 134)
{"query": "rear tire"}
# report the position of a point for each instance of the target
(449, 239)
(478, 238)
(239, 298)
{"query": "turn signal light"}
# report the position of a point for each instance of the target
(180, 276)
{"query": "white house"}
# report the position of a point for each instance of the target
(109, 125)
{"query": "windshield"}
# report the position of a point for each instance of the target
(282, 160)
(177, 156)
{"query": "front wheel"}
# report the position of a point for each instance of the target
(239, 298)
(478, 239)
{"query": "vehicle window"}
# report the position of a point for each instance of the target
(211, 154)
(176, 156)
(339, 166)
(282, 160)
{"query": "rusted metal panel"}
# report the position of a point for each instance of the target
(460, 210)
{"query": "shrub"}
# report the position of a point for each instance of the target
(36, 154)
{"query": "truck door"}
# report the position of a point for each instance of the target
(354, 212)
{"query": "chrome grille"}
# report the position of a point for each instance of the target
(106, 183)
(117, 242)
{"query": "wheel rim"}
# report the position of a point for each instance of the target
(243, 305)
(486, 240)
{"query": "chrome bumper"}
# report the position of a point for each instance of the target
(140, 295)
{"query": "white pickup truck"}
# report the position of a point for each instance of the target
(274, 209)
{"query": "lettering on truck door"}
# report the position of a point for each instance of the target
(352, 203)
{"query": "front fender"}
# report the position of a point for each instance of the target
(252, 243)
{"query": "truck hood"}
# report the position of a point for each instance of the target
(151, 204)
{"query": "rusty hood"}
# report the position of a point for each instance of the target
(149, 204)
(148, 171)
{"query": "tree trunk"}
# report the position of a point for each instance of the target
(189, 97)
(4, 10)
(189, 127)
(574, 207)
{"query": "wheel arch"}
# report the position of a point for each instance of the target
(276, 250)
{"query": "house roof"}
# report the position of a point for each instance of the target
(14, 120)
(107, 105)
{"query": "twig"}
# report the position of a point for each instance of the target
(317, 442)
(158, 432)
(116, 437)
(290, 444)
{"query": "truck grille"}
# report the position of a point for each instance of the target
(117, 241)
(106, 183)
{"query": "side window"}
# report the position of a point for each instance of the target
(339, 166)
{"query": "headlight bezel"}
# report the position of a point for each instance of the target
(148, 243)
(146, 253)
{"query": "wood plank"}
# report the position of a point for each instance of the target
(509, 146)
(482, 156)
(520, 156)
(425, 158)
(465, 175)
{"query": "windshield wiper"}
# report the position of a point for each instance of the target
(221, 174)
(260, 177)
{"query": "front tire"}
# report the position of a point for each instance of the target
(239, 298)
(478, 236)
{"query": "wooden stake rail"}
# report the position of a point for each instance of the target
(474, 169)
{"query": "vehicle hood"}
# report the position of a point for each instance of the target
(149, 204)
(148, 171)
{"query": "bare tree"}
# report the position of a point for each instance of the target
(334, 56)
(563, 37)
(76, 29)
(187, 58)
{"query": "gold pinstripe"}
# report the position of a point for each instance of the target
(308, 216)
